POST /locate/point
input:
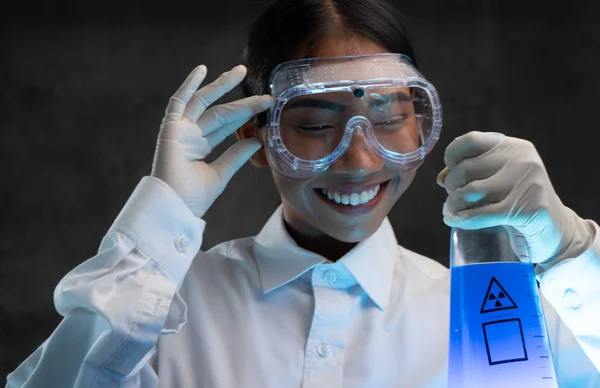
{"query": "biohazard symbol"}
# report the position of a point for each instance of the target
(496, 298)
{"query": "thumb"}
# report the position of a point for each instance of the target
(234, 158)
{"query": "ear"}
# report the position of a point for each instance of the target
(250, 130)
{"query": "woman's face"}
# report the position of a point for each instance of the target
(358, 174)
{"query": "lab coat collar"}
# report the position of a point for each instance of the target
(280, 260)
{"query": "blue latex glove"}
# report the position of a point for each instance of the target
(494, 180)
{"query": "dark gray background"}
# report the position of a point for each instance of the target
(83, 89)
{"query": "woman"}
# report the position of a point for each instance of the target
(323, 296)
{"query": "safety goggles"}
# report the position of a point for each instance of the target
(322, 103)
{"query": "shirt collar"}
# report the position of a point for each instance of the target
(372, 263)
(280, 260)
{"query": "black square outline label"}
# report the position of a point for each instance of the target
(487, 346)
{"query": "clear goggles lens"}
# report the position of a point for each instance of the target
(323, 105)
(392, 119)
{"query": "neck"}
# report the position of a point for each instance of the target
(318, 242)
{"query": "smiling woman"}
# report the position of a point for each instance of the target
(320, 136)
(317, 123)
(317, 29)
(323, 296)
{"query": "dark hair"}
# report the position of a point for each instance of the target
(290, 29)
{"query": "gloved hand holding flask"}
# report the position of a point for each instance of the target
(505, 216)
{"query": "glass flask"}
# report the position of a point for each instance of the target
(498, 334)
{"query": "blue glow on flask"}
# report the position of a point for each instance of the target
(498, 335)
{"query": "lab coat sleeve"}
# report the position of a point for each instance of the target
(572, 287)
(116, 304)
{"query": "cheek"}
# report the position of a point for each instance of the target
(402, 183)
(407, 177)
(295, 192)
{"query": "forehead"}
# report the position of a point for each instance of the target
(345, 43)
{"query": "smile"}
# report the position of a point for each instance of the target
(352, 199)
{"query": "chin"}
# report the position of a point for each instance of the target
(352, 234)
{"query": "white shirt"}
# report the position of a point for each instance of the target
(263, 312)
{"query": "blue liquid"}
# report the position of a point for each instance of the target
(498, 335)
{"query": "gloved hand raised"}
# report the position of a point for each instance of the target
(498, 180)
(189, 131)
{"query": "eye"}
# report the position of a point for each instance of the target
(316, 127)
(392, 122)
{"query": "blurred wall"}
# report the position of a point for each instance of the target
(83, 89)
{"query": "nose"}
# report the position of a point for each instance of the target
(359, 159)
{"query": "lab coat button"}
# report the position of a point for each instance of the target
(182, 244)
(571, 298)
(330, 276)
(324, 350)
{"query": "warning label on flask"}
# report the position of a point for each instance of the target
(496, 298)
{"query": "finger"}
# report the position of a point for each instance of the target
(478, 218)
(244, 109)
(179, 100)
(476, 194)
(234, 158)
(204, 97)
(473, 169)
(441, 178)
(470, 145)
(199, 146)
(216, 137)
(196, 146)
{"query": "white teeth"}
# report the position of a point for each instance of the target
(345, 199)
(337, 198)
(353, 199)
(365, 196)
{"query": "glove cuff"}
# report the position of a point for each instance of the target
(577, 237)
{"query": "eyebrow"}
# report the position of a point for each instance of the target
(315, 103)
(401, 96)
(338, 107)
(396, 96)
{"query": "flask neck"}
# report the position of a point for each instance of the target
(488, 245)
